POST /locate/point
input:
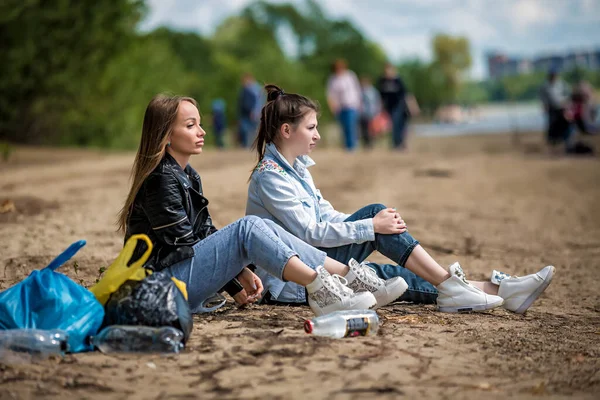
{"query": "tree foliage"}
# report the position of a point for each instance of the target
(452, 58)
(79, 72)
(51, 50)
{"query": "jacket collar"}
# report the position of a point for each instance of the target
(300, 164)
(188, 170)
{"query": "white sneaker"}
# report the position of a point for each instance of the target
(455, 294)
(328, 293)
(520, 293)
(362, 278)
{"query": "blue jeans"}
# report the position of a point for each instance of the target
(249, 240)
(396, 247)
(398, 127)
(219, 137)
(348, 118)
(247, 131)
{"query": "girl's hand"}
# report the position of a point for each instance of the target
(253, 287)
(388, 222)
(241, 298)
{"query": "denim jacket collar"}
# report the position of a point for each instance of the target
(300, 165)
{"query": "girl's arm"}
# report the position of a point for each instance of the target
(328, 213)
(163, 205)
(208, 225)
(378, 105)
(297, 215)
(332, 97)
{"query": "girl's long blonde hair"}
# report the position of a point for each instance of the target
(158, 121)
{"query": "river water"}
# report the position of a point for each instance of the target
(489, 119)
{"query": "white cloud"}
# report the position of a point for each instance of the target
(408, 45)
(465, 22)
(529, 13)
(201, 16)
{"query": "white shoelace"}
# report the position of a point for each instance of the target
(460, 273)
(367, 273)
(340, 285)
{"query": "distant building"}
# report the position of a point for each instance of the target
(501, 65)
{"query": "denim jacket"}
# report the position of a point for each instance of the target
(288, 196)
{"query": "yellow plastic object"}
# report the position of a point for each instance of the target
(181, 286)
(119, 272)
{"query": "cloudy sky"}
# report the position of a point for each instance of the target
(405, 27)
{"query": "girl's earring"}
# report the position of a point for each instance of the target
(168, 144)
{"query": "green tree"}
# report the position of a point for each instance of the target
(112, 116)
(319, 40)
(50, 49)
(417, 76)
(523, 87)
(473, 93)
(78, 72)
(452, 57)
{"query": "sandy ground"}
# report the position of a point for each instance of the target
(478, 200)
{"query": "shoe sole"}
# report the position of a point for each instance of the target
(533, 296)
(402, 284)
(372, 305)
(474, 308)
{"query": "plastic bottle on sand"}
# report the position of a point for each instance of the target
(341, 324)
(29, 344)
(138, 339)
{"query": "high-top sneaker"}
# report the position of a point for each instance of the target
(455, 294)
(328, 293)
(362, 278)
(519, 293)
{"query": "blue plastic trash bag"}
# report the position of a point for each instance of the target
(50, 300)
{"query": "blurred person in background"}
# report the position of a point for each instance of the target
(393, 95)
(584, 113)
(219, 121)
(370, 107)
(555, 96)
(249, 104)
(343, 98)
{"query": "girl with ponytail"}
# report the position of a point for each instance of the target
(282, 189)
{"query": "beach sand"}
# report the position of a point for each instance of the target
(478, 200)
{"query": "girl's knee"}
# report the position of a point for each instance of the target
(250, 219)
(377, 207)
(409, 239)
(248, 222)
(270, 223)
(272, 226)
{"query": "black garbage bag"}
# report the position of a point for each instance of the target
(154, 301)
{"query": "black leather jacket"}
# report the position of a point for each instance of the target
(171, 209)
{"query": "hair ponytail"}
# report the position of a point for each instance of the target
(281, 108)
